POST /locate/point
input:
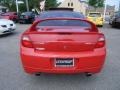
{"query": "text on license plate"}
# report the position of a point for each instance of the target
(64, 62)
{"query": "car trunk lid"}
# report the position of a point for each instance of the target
(64, 41)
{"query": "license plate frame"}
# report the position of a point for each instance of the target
(64, 62)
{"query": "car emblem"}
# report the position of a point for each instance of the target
(65, 47)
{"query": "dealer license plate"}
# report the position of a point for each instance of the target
(64, 62)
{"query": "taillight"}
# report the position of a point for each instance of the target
(26, 42)
(101, 42)
(101, 19)
(7, 17)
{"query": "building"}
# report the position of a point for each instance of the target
(3, 9)
(77, 5)
(109, 10)
(119, 6)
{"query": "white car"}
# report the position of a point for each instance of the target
(6, 26)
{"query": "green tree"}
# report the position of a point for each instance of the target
(96, 3)
(11, 4)
(7, 3)
(50, 4)
(34, 4)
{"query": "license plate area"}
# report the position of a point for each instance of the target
(10, 29)
(64, 62)
(21, 17)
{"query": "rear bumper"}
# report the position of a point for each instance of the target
(24, 20)
(97, 22)
(32, 70)
(116, 23)
(2, 32)
(37, 62)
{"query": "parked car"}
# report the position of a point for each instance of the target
(63, 45)
(96, 18)
(115, 20)
(6, 26)
(1, 13)
(58, 14)
(11, 16)
(27, 17)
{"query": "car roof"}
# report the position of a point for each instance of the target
(8, 13)
(94, 12)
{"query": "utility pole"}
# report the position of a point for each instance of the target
(105, 9)
(119, 5)
(17, 8)
(27, 5)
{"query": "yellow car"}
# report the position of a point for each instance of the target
(96, 18)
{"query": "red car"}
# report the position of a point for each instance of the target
(11, 16)
(63, 46)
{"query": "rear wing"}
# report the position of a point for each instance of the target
(61, 9)
(93, 26)
(94, 13)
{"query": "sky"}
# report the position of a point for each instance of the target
(113, 2)
(110, 2)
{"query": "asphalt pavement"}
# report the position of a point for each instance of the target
(12, 76)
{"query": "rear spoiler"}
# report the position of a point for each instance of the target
(62, 9)
(93, 26)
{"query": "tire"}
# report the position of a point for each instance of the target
(15, 20)
(20, 23)
(110, 23)
(114, 25)
(101, 25)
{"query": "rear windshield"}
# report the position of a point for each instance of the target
(95, 14)
(26, 13)
(68, 14)
(65, 23)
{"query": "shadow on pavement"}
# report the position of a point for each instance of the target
(9, 34)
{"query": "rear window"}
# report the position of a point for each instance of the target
(65, 23)
(26, 13)
(117, 14)
(95, 14)
(68, 14)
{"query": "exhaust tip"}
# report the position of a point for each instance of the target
(37, 74)
(88, 74)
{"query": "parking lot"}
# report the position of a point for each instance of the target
(12, 76)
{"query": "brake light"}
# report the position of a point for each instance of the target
(26, 42)
(101, 19)
(7, 17)
(101, 42)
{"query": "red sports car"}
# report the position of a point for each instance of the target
(10, 15)
(63, 46)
